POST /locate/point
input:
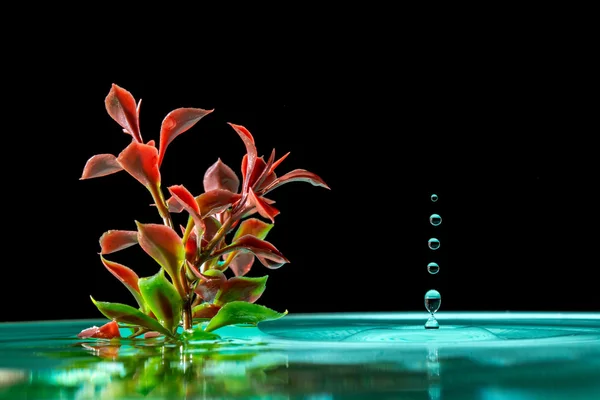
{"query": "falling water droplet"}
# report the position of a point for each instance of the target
(433, 300)
(433, 243)
(435, 219)
(433, 268)
(434, 197)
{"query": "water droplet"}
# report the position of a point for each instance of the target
(433, 300)
(435, 219)
(433, 268)
(434, 197)
(433, 243)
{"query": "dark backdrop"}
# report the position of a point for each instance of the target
(500, 134)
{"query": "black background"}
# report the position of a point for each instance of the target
(499, 129)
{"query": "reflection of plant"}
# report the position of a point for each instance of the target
(196, 288)
(152, 369)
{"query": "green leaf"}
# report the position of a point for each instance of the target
(199, 334)
(129, 315)
(241, 289)
(240, 312)
(163, 299)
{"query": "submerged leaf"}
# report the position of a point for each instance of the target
(220, 176)
(109, 330)
(129, 315)
(140, 161)
(120, 105)
(100, 165)
(241, 289)
(177, 122)
(164, 245)
(163, 299)
(115, 240)
(240, 312)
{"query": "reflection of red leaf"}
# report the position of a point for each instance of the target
(115, 240)
(100, 165)
(107, 331)
(177, 122)
(140, 160)
(120, 105)
(220, 176)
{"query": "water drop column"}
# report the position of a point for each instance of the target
(433, 299)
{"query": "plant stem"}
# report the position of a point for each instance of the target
(187, 314)
(163, 209)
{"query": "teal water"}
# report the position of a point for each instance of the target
(487, 356)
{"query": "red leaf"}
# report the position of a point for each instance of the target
(205, 311)
(115, 240)
(100, 165)
(255, 245)
(271, 264)
(140, 160)
(177, 122)
(188, 203)
(164, 245)
(120, 105)
(220, 176)
(210, 283)
(242, 263)
(276, 163)
(185, 198)
(297, 175)
(107, 331)
(241, 289)
(248, 140)
(259, 168)
(211, 227)
(174, 205)
(215, 201)
(191, 247)
(264, 209)
(124, 274)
